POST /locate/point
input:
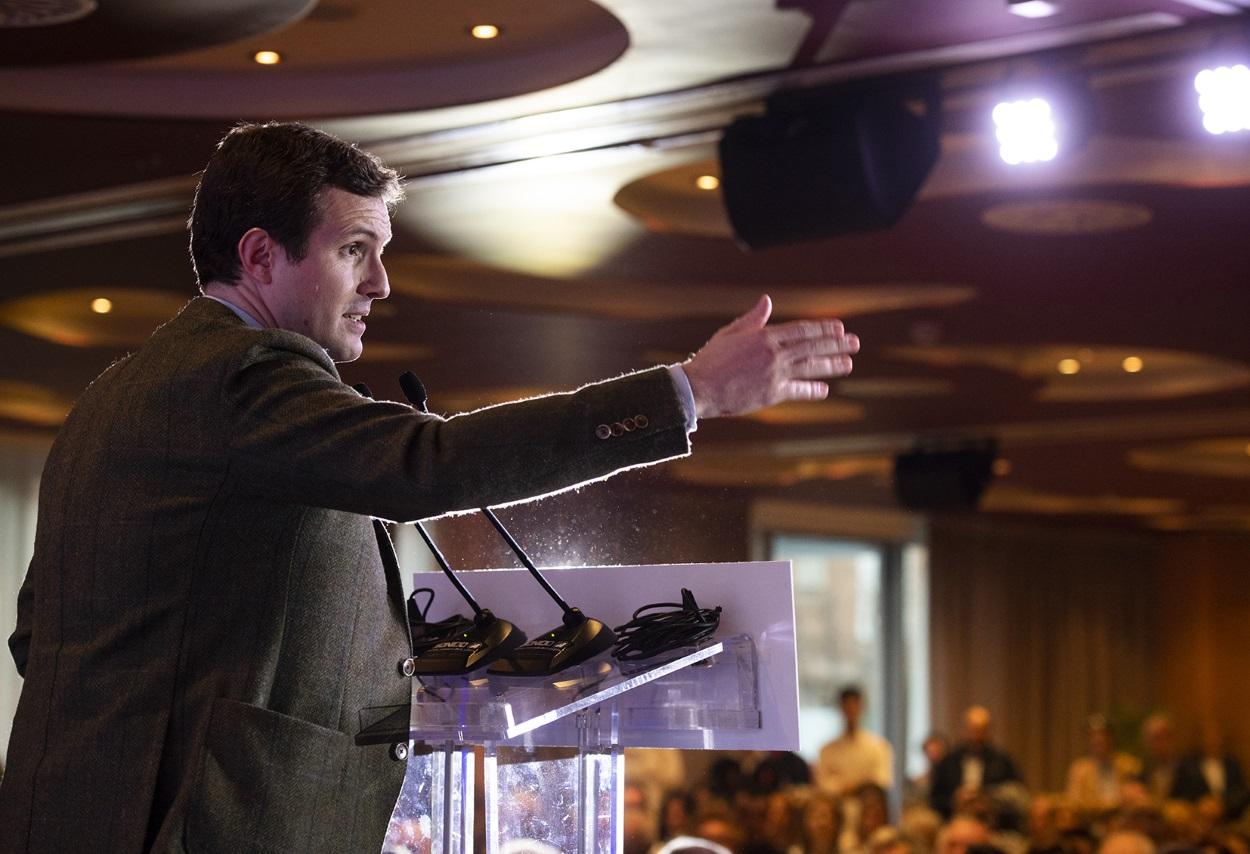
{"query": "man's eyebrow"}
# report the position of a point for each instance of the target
(362, 229)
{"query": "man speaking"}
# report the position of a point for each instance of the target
(206, 610)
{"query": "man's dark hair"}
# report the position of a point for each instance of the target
(271, 176)
(849, 691)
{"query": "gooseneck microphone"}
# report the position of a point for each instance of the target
(577, 639)
(462, 645)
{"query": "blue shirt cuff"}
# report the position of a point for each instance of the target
(686, 395)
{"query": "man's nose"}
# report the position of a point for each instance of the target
(376, 285)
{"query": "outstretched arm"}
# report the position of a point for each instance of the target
(748, 365)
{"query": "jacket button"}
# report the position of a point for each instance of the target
(407, 667)
(629, 425)
(603, 431)
(641, 422)
(399, 751)
(618, 429)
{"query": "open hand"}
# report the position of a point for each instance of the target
(748, 365)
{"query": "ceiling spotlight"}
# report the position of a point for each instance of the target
(1026, 131)
(1002, 467)
(1032, 8)
(484, 31)
(100, 305)
(1224, 97)
(266, 57)
(1132, 364)
(1068, 367)
(707, 182)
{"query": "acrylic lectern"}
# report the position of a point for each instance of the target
(552, 747)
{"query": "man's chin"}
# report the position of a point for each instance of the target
(344, 353)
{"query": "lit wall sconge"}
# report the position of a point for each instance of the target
(1032, 8)
(1068, 367)
(266, 57)
(707, 182)
(484, 31)
(101, 305)
(1224, 98)
(1132, 364)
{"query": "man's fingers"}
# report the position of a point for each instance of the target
(804, 390)
(829, 346)
(821, 366)
(798, 330)
(753, 319)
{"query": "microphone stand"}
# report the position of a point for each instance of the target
(577, 639)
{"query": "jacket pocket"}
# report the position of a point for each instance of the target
(269, 783)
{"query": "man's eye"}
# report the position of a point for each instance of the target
(353, 249)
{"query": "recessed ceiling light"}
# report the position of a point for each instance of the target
(707, 182)
(1032, 8)
(266, 57)
(1132, 364)
(1069, 366)
(484, 31)
(100, 305)
(1002, 467)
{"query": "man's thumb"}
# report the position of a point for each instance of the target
(756, 317)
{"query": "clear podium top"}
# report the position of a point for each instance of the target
(682, 701)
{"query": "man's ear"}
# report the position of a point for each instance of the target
(257, 254)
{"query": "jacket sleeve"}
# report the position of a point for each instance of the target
(297, 432)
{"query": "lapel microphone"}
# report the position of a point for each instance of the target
(577, 638)
(460, 645)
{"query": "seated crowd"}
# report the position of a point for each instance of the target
(971, 800)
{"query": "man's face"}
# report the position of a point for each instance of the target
(852, 709)
(327, 295)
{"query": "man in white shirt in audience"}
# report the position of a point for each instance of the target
(857, 756)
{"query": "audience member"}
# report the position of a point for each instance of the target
(917, 788)
(1211, 772)
(779, 769)
(1159, 768)
(677, 813)
(821, 824)
(1096, 781)
(961, 833)
(974, 766)
(857, 756)
(1126, 842)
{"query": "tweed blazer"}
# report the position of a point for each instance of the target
(206, 611)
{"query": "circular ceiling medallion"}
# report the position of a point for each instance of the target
(195, 58)
(681, 200)
(1228, 457)
(43, 13)
(126, 29)
(1064, 217)
(99, 317)
(1073, 373)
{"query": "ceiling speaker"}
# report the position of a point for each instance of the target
(823, 164)
(946, 479)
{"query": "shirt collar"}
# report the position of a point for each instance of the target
(243, 315)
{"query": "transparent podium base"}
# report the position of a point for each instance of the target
(554, 800)
(553, 766)
(434, 811)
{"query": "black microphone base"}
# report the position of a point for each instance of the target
(553, 651)
(487, 640)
